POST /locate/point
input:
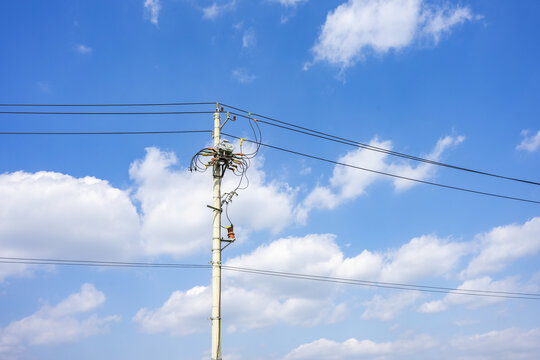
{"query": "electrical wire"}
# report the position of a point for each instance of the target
(341, 140)
(201, 165)
(105, 113)
(110, 105)
(303, 130)
(346, 281)
(109, 132)
(392, 175)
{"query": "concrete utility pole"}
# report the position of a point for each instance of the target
(216, 246)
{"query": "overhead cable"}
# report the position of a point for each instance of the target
(391, 175)
(113, 105)
(105, 113)
(108, 132)
(341, 140)
(346, 281)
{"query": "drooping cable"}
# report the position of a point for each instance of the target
(104, 113)
(109, 132)
(282, 274)
(392, 175)
(111, 105)
(341, 140)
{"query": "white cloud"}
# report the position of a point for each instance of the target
(152, 9)
(252, 303)
(421, 257)
(424, 170)
(503, 245)
(512, 343)
(175, 219)
(509, 284)
(243, 76)
(324, 349)
(83, 49)
(440, 20)
(349, 183)
(386, 309)
(47, 214)
(185, 312)
(289, 3)
(248, 39)
(58, 324)
(358, 27)
(529, 143)
(215, 10)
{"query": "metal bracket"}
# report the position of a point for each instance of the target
(228, 241)
(214, 208)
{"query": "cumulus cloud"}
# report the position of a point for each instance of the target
(48, 214)
(512, 343)
(504, 244)
(423, 171)
(325, 349)
(217, 9)
(349, 183)
(253, 303)
(386, 309)
(173, 202)
(58, 324)
(530, 142)
(359, 27)
(152, 9)
(509, 284)
(184, 312)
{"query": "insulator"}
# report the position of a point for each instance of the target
(230, 232)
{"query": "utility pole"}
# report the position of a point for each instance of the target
(216, 246)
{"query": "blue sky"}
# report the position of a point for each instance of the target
(454, 81)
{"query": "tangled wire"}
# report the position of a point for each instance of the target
(224, 157)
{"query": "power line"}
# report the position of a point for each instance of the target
(294, 127)
(377, 284)
(482, 293)
(389, 174)
(104, 113)
(284, 150)
(341, 140)
(111, 105)
(110, 132)
(384, 283)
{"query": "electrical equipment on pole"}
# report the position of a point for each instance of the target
(222, 158)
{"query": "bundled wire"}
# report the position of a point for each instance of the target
(222, 158)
